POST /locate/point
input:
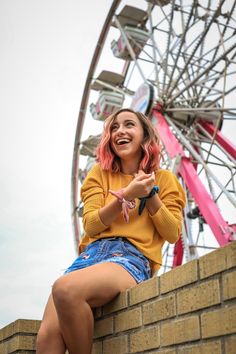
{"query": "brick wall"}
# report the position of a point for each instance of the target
(19, 337)
(189, 310)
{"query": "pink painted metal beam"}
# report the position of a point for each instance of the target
(206, 204)
(220, 138)
(178, 253)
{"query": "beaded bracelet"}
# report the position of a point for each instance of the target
(126, 204)
(143, 200)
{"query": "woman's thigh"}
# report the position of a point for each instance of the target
(96, 284)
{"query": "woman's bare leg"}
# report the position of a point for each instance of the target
(49, 338)
(76, 293)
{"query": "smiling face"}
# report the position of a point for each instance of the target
(127, 136)
(128, 143)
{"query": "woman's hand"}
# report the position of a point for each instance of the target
(140, 186)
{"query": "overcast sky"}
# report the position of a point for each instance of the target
(46, 49)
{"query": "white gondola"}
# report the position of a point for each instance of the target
(111, 98)
(108, 102)
(89, 145)
(137, 38)
(89, 164)
(132, 20)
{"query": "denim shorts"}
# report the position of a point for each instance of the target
(116, 250)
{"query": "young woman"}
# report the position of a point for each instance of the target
(131, 207)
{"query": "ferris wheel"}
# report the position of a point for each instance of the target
(176, 62)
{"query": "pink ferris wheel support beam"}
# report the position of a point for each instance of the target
(186, 169)
(178, 253)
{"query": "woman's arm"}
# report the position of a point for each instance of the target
(97, 216)
(165, 208)
(109, 212)
(137, 188)
(153, 204)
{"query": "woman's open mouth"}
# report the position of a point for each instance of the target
(123, 141)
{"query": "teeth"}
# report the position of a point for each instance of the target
(122, 141)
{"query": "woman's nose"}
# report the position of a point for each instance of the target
(120, 130)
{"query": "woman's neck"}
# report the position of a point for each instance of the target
(129, 167)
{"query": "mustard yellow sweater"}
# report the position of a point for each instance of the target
(148, 233)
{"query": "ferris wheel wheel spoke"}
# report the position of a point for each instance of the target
(199, 41)
(212, 140)
(205, 71)
(180, 43)
(223, 94)
(233, 189)
(216, 78)
(211, 54)
(154, 50)
(170, 34)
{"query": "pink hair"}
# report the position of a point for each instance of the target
(150, 148)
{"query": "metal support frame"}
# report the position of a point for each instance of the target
(206, 204)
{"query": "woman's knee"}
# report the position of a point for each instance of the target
(49, 339)
(43, 338)
(65, 292)
(60, 291)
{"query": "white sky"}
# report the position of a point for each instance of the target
(46, 49)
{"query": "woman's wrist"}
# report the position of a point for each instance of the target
(127, 194)
(145, 199)
(153, 204)
(126, 204)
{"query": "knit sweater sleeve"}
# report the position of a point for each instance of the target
(168, 219)
(92, 195)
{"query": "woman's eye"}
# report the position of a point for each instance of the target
(130, 124)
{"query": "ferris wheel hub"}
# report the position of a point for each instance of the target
(143, 98)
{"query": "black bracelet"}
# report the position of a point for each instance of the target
(143, 200)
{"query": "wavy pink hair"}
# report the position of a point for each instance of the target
(150, 147)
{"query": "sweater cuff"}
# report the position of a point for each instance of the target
(93, 225)
(166, 224)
